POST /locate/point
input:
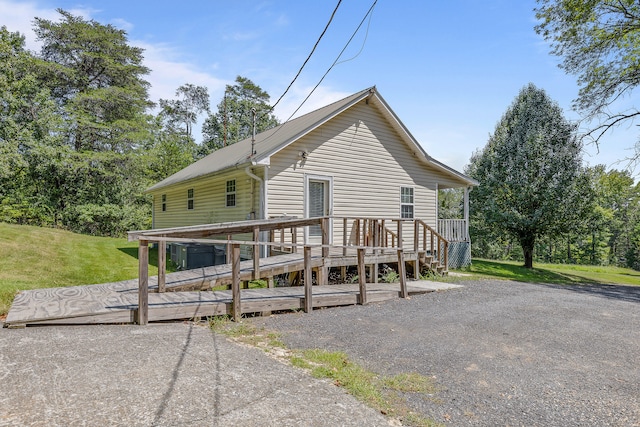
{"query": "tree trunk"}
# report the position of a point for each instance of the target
(527, 242)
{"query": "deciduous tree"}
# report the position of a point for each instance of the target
(599, 41)
(531, 179)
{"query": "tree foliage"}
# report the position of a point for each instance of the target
(599, 41)
(96, 79)
(182, 113)
(78, 140)
(233, 120)
(530, 173)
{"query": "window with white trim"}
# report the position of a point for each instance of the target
(190, 199)
(164, 203)
(406, 202)
(231, 193)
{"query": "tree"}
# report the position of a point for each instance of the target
(530, 173)
(28, 122)
(599, 41)
(193, 100)
(233, 121)
(96, 78)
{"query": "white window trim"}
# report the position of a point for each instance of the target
(234, 192)
(329, 179)
(192, 199)
(412, 204)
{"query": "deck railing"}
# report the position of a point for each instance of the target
(361, 234)
(454, 230)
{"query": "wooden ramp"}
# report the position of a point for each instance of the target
(118, 302)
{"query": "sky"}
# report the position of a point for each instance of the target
(448, 69)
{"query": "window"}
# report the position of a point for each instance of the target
(406, 202)
(190, 199)
(164, 203)
(231, 193)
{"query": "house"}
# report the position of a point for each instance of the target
(353, 157)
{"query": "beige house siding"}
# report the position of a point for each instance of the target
(368, 163)
(209, 201)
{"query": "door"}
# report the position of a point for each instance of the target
(318, 202)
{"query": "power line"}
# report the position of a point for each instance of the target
(308, 57)
(336, 60)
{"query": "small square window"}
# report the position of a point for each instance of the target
(190, 199)
(231, 193)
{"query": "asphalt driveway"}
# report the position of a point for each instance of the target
(501, 353)
(173, 374)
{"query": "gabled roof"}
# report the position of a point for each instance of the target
(273, 140)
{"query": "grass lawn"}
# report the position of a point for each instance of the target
(35, 257)
(553, 273)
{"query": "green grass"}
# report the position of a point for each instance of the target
(386, 394)
(563, 274)
(35, 257)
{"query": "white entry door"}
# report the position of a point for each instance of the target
(318, 202)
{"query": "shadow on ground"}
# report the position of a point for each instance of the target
(617, 292)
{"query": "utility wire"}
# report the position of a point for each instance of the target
(336, 60)
(308, 57)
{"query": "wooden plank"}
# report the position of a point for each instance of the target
(362, 278)
(308, 300)
(256, 254)
(402, 273)
(344, 236)
(235, 282)
(162, 265)
(143, 282)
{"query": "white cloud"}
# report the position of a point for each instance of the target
(168, 72)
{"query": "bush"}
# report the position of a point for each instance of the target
(24, 213)
(108, 219)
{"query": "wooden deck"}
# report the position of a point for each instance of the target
(188, 294)
(117, 302)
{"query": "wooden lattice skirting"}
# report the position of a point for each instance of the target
(459, 254)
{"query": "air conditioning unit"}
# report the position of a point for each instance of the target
(188, 256)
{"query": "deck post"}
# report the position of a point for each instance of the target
(272, 238)
(282, 239)
(446, 255)
(323, 276)
(229, 256)
(357, 228)
(402, 274)
(236, 307)
(376, 243)
(400, 242)
(362, 277)
(344, 236)
(256, 253)
(416, 247)
(294, 239)
(162, 265)
(143, 282)
(308, 280)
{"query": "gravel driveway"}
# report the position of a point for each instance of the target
(502, 353)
